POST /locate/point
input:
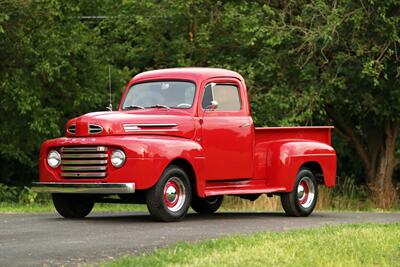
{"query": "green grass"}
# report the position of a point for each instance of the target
(345, 197)
(264, 204)
(6, 207)
(343, 245)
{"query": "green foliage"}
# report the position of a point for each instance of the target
(338, 64)
(304, 63)
(20, 195)
(51, 69)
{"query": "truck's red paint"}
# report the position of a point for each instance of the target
(224, 151)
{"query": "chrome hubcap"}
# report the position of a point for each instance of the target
(300, 191)
(171, 193)
(174, 194)
(306, 192)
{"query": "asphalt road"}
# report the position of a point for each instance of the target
(48, 240)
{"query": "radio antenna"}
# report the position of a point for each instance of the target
(109, 87)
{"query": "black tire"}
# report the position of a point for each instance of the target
(302, 200)
(206, 205)
(72, 205)
(165, 205)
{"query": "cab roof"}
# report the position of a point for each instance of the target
(189, 73)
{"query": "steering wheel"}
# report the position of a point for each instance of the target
(183, 105)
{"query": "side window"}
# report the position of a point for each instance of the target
(226, 95)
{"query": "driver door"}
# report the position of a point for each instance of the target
(226, 131)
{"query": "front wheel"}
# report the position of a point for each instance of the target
(169, 199)
(72, 205)
(302, 200)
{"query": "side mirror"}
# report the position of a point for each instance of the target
(213, 105)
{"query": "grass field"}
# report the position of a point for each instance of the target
(343, 245)
(263, 204)
(48, 207)
(346, 196)
(326, 201)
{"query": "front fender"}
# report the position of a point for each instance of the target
(164, 150)
(147, 157)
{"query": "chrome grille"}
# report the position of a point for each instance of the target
(72, 129)
(84, 162)
(95, 129)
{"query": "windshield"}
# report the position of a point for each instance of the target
(167, 94)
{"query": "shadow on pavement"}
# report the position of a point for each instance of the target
(140, 217)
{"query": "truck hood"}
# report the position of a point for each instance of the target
(170, 122)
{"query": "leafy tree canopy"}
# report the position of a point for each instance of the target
(324, 62)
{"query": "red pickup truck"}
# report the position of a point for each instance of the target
(183, 137)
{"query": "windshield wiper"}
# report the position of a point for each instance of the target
(134, 107)
(159, 106)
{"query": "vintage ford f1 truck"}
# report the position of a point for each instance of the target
(183, 137)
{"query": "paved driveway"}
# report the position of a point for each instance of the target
(48, 239)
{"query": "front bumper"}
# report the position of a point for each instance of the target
(84, 188)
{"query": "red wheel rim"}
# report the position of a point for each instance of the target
(174, 194)
(306, 192)
(171, 194)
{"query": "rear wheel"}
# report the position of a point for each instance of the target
(169, 199)
(302, 200)
(206, 205)
(72, 205)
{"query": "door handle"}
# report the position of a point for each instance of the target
(244, 125)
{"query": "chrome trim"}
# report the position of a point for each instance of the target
(142, 127)
(83, 168)
(83, 174)
(84, 188)
(84, 149)
(129, 128)
(81, 156)
(174, 194)
(83, 162)
(152, 130)
(306, 195)
(155, 124)
(95, 129)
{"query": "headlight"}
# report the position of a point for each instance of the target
(117, 158)
(53, 159)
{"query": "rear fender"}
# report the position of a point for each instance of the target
(284, 159)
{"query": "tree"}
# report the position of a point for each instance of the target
(51, 69)
(341, 60)
(304, 63)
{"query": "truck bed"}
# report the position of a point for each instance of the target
(315, 133)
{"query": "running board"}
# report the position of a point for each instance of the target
(241, 191)
(215, 188)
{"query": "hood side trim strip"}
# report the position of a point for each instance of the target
(146, 127)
